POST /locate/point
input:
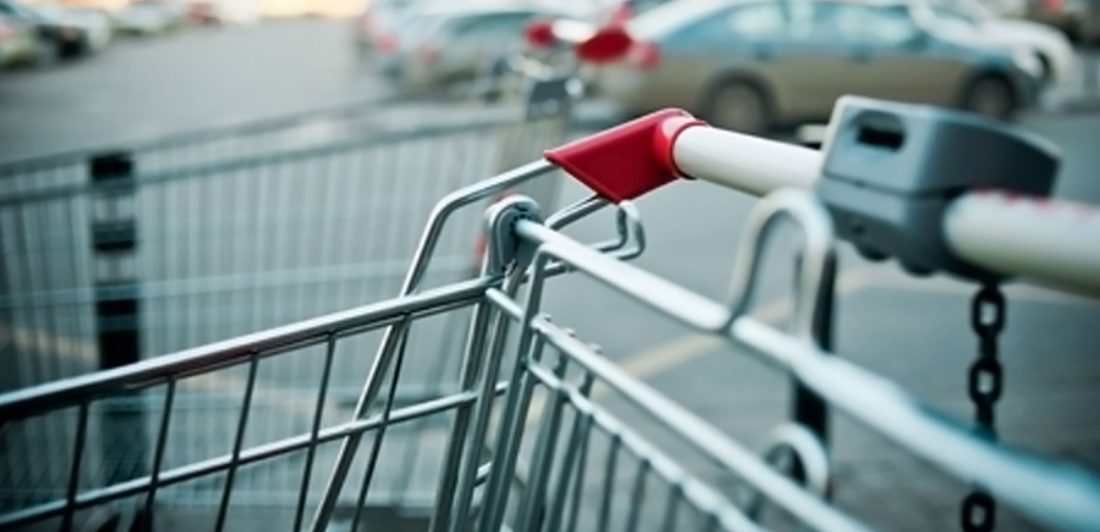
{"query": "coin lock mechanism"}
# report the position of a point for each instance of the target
(892, 169)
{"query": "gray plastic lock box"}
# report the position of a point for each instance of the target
(892, 169)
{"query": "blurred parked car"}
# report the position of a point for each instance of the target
(224, 13)
(1053, 50)
(204, 13)
(94, 23)
(1079, 19)
(752, 64)
(436, 46)
(55, 39)
(389, 49)
(18, 42)
(377, 19)
(149, 17)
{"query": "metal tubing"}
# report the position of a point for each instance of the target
(474, 354)
(158, 454)
(743, 162)
(1053, 241)
(578, 437)
(248, 456)
(28, 401)
(315, 430)
(74, 472)
(1048, 240)
(483, 411)
(1070, 498)
(238, 443)
(532, 508)
(699, 433)
(421, 258)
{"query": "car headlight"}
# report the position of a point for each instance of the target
(1028, 62)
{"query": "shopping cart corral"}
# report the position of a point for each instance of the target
(528, 437)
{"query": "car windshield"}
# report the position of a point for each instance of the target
(822, 22)
(412, 27)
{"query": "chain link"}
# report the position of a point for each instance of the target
(985, 384)
(979, 512)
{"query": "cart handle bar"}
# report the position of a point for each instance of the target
(1050, 241)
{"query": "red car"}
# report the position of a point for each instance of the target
(204, 14)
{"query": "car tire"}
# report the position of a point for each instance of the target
(739, 105)
(991, 95)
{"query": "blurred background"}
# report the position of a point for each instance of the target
(287, 152)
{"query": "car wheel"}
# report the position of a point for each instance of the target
(991, 96)
(739, 106)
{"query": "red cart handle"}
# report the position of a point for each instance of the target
(1050, 241)
(628, 160)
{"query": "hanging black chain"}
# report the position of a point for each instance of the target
(985, 383)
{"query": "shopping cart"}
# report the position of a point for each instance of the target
(530, 437)
(111, 256)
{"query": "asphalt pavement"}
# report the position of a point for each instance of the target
(913, 331)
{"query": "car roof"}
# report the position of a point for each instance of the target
(669, 17)
(431, 20)
(454, 11)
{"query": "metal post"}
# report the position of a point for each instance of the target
(807, 408)
(114, 239)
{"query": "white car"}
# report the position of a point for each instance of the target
(437, 46)
(94, 23)
(1052, 49)
(146, 17)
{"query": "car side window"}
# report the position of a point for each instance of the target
(755, 22)
(891, 26)
(504, 26)
(862, 24)
(745, 23)
(952, 14)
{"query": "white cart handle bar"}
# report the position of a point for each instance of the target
(1050, 241)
